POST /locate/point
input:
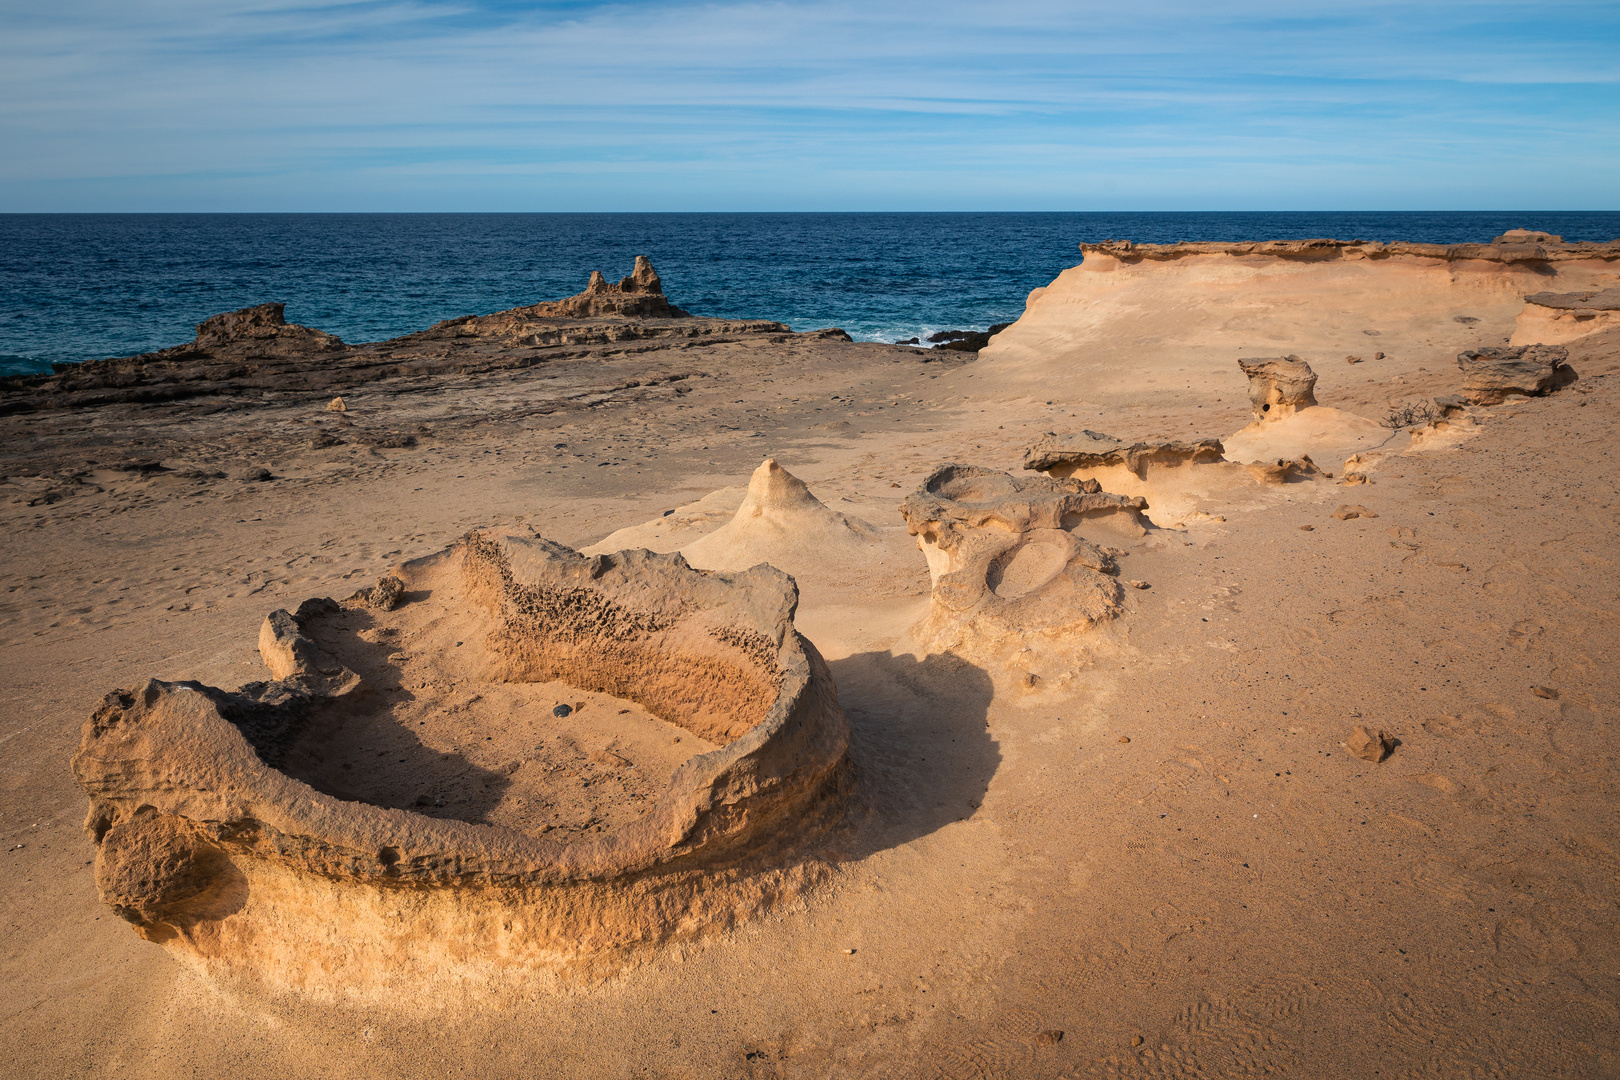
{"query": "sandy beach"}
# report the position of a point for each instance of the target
(1133, 846)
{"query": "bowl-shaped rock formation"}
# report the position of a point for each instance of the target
(1008, 566)
(463, 768)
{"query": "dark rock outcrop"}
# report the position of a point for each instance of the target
(966, 340)
(255, 351)
(1494, 375)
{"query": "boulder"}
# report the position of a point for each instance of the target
(1493, 375)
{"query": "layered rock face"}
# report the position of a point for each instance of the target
(1167, 320)
(1552, 318)
(1061, 456)
(218, 830)
(1491, 376)
(1008, 565)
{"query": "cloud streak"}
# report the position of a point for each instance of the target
(411, 104)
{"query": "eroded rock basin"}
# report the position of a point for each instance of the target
(515, 753)
(439, 737)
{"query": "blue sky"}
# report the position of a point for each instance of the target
(131, 105)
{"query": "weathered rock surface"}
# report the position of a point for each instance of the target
(1007, 565)
(1513, 246)
(1166, 320)
(1553, 318)
(1064, 455)
(206, 837)
(1282, 470)
(1491, 376)
(254, 351)
(1373, 746)
(1279, 387)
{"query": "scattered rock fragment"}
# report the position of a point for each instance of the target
(1350, 511)
(255, 475)
(1369, 746)
(383, 596)
(1048, 1038)
(1545, 692)
(336, 405)
(1355, 359)
(1307, 528)
(1283, 470)
(562, 710)
(1124, 738)
(1138, 584)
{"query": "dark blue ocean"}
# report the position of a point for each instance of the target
(78, 287)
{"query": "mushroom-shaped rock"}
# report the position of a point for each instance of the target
(1493, 375)
(780, 522)
(1006, 563)
(220, 827)
(1279, 387)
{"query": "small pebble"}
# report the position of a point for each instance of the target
(1138, 584)
(1545, 692)
(1307, 528)
(1136, 1040)
(1124, 738)
(561, 710)
(1048, 1038)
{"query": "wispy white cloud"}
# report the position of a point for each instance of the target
(419, 104)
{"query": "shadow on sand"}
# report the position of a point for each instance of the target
(919, 738)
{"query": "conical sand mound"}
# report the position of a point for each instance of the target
(781, 523)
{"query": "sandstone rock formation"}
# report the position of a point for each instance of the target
(1008, 567)
(1282, 470)
(262, 327)
(1067, 455)
(640, 295)
(1494, 375)
(1280, 387)
(780, 522)
(1165, 320)
(1551, 318)
(217, 829)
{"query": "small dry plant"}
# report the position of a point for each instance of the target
(1411, 414)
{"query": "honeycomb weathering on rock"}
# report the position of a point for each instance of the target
(1064, 455)
(1007, 566)
(206, 838)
